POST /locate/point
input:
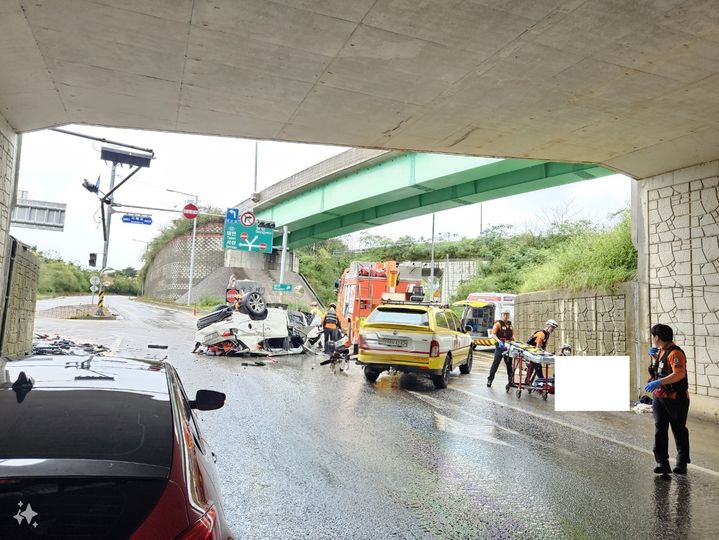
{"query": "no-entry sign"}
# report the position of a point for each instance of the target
(190, 211)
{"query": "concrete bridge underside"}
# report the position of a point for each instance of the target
(407, 185)
(628, 85)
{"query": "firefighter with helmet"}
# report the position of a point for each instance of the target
(539, 339)
(503, 333)
(330, 326)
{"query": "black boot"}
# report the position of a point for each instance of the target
(662, 468)
(489, 383)
(681, 468)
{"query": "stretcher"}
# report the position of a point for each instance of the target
(521, 355)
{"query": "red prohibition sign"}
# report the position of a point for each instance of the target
(263, 246)
(243, 235)
(247, 219)
(190, 211)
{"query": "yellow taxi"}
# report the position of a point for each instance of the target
(423, 338)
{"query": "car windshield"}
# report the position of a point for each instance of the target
(412, 317)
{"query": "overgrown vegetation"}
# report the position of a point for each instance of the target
(568, 254)
(593, 258)
(61, 277)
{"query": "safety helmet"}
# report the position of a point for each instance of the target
(333, 305)
(552, 322)
(505, 310)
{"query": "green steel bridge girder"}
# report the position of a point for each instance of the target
(414, 184)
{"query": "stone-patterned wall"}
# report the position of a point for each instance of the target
(681, 268)
(170, 270)
(593, 322)
(24, 276)
(8, 139)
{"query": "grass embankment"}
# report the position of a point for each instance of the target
(572, 255)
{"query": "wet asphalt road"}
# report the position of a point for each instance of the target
(303, 453)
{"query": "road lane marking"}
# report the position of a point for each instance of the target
(437, 404)
(473, 431)
(115, 346)
(577, 428)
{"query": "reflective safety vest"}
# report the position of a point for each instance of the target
(533, 340)
(663, 369)
(330, 322)
(505, 330)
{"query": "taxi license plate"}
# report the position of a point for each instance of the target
(393, 342)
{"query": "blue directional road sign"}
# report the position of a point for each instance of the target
(232, 215)
(137, 218)
(282, 287)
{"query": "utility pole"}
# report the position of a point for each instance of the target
(108, 219)
(431, 270)
(283, 258)
(256, 151)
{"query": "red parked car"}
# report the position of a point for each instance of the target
(98, 447)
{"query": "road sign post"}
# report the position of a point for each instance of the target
(94, 282)
(190, 211)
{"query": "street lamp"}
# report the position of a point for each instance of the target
(192, 250)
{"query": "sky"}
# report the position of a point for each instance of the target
(221, 172)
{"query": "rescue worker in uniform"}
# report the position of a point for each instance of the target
(670, 399)
(539, 339)
(316, 314)
(330, 325)
(502, 332)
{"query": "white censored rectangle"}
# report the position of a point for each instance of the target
(591, 383)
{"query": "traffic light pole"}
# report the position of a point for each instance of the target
(108, 219)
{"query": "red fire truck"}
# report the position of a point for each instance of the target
(364, 285)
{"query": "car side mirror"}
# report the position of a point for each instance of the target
(207, 400)
(468, 329)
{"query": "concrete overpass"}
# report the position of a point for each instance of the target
(630, 86)
(359, 189)
(627, 85)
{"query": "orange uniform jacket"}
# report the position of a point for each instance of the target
(539, 339)
(677, 361)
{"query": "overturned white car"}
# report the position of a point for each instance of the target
(251, 328)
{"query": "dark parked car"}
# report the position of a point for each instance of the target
(104, 448)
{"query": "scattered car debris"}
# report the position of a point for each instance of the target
(45, 345)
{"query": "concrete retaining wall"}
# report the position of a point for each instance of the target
(8, 141)
(169, 273)
(23, 281)
(676, 218)
(593, 322)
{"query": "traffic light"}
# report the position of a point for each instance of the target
(93, 259)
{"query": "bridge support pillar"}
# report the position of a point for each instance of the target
(676, 232)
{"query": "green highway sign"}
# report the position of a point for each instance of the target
(283, 287)
(253, 238)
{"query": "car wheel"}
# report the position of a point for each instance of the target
(370, 374)
(465, 368)
(254, 304)
(441, 381)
